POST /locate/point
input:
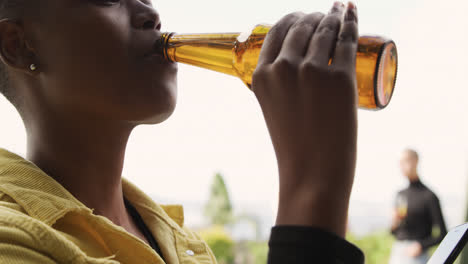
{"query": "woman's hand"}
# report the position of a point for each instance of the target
(414, 250)
(305, 82)
(396, 219)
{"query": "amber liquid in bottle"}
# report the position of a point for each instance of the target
(237, 54)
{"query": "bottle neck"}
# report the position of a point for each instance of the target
(209, 51)
(163, 44)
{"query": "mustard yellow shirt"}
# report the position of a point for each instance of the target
(41, 222)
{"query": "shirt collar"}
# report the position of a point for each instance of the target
(45, 199)
(416, 183)
(146, 206)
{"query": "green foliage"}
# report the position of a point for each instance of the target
(220, 243)
(259, 251)
(376, 246)
(463, 258)
(219, 208)
(250, 219)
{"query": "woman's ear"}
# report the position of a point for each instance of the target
(14, 49)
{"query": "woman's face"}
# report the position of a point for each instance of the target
(96, 59)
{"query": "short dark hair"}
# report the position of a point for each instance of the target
(413, 153)
(11, 9)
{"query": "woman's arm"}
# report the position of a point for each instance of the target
(437, 219)
(396, 221)
(306, 245)
(310, 108)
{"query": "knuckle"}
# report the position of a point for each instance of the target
(315, 18)
(284, 24)
(317, 15)
(275, 29)
(259, 79)
(348, 36)
(259, 74)
(293, 16)
(310, 67)
(288, 20)
(301, 26)
(308, 21)
(342, 74)
(284, 65)
(346, 83)
(329, 25)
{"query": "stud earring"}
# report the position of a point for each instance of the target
(33, 67)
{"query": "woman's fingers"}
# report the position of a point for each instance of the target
(275, 38)
(346, 46)
(323, 42)
(297, 39)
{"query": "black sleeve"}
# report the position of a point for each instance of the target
(394, 230)
(301, 245)
(437, 220)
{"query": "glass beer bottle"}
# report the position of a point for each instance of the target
(237, 54)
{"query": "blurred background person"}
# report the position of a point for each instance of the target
(416, 214)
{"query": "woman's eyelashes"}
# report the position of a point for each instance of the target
(106, 2)
(146, 2)
(110, 2)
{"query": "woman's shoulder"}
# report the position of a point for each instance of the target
(20, 234)
(6, 202)
(16, 226)
(27, 240)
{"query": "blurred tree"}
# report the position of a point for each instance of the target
(259, 251)
(251, 252)
(252, 220)
(218, 209)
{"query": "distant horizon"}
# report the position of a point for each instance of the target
(365, 216)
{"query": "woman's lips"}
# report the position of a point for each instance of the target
(159, 59)
(158, 56)
(155, 52)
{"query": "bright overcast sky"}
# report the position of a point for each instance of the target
(218, 125)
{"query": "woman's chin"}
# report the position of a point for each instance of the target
(155, 113)
(148, 104)
(156, 119)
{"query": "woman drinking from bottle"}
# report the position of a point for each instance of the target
(83, 74)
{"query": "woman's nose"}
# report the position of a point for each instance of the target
(146, 18)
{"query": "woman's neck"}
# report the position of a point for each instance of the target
(86, 157)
